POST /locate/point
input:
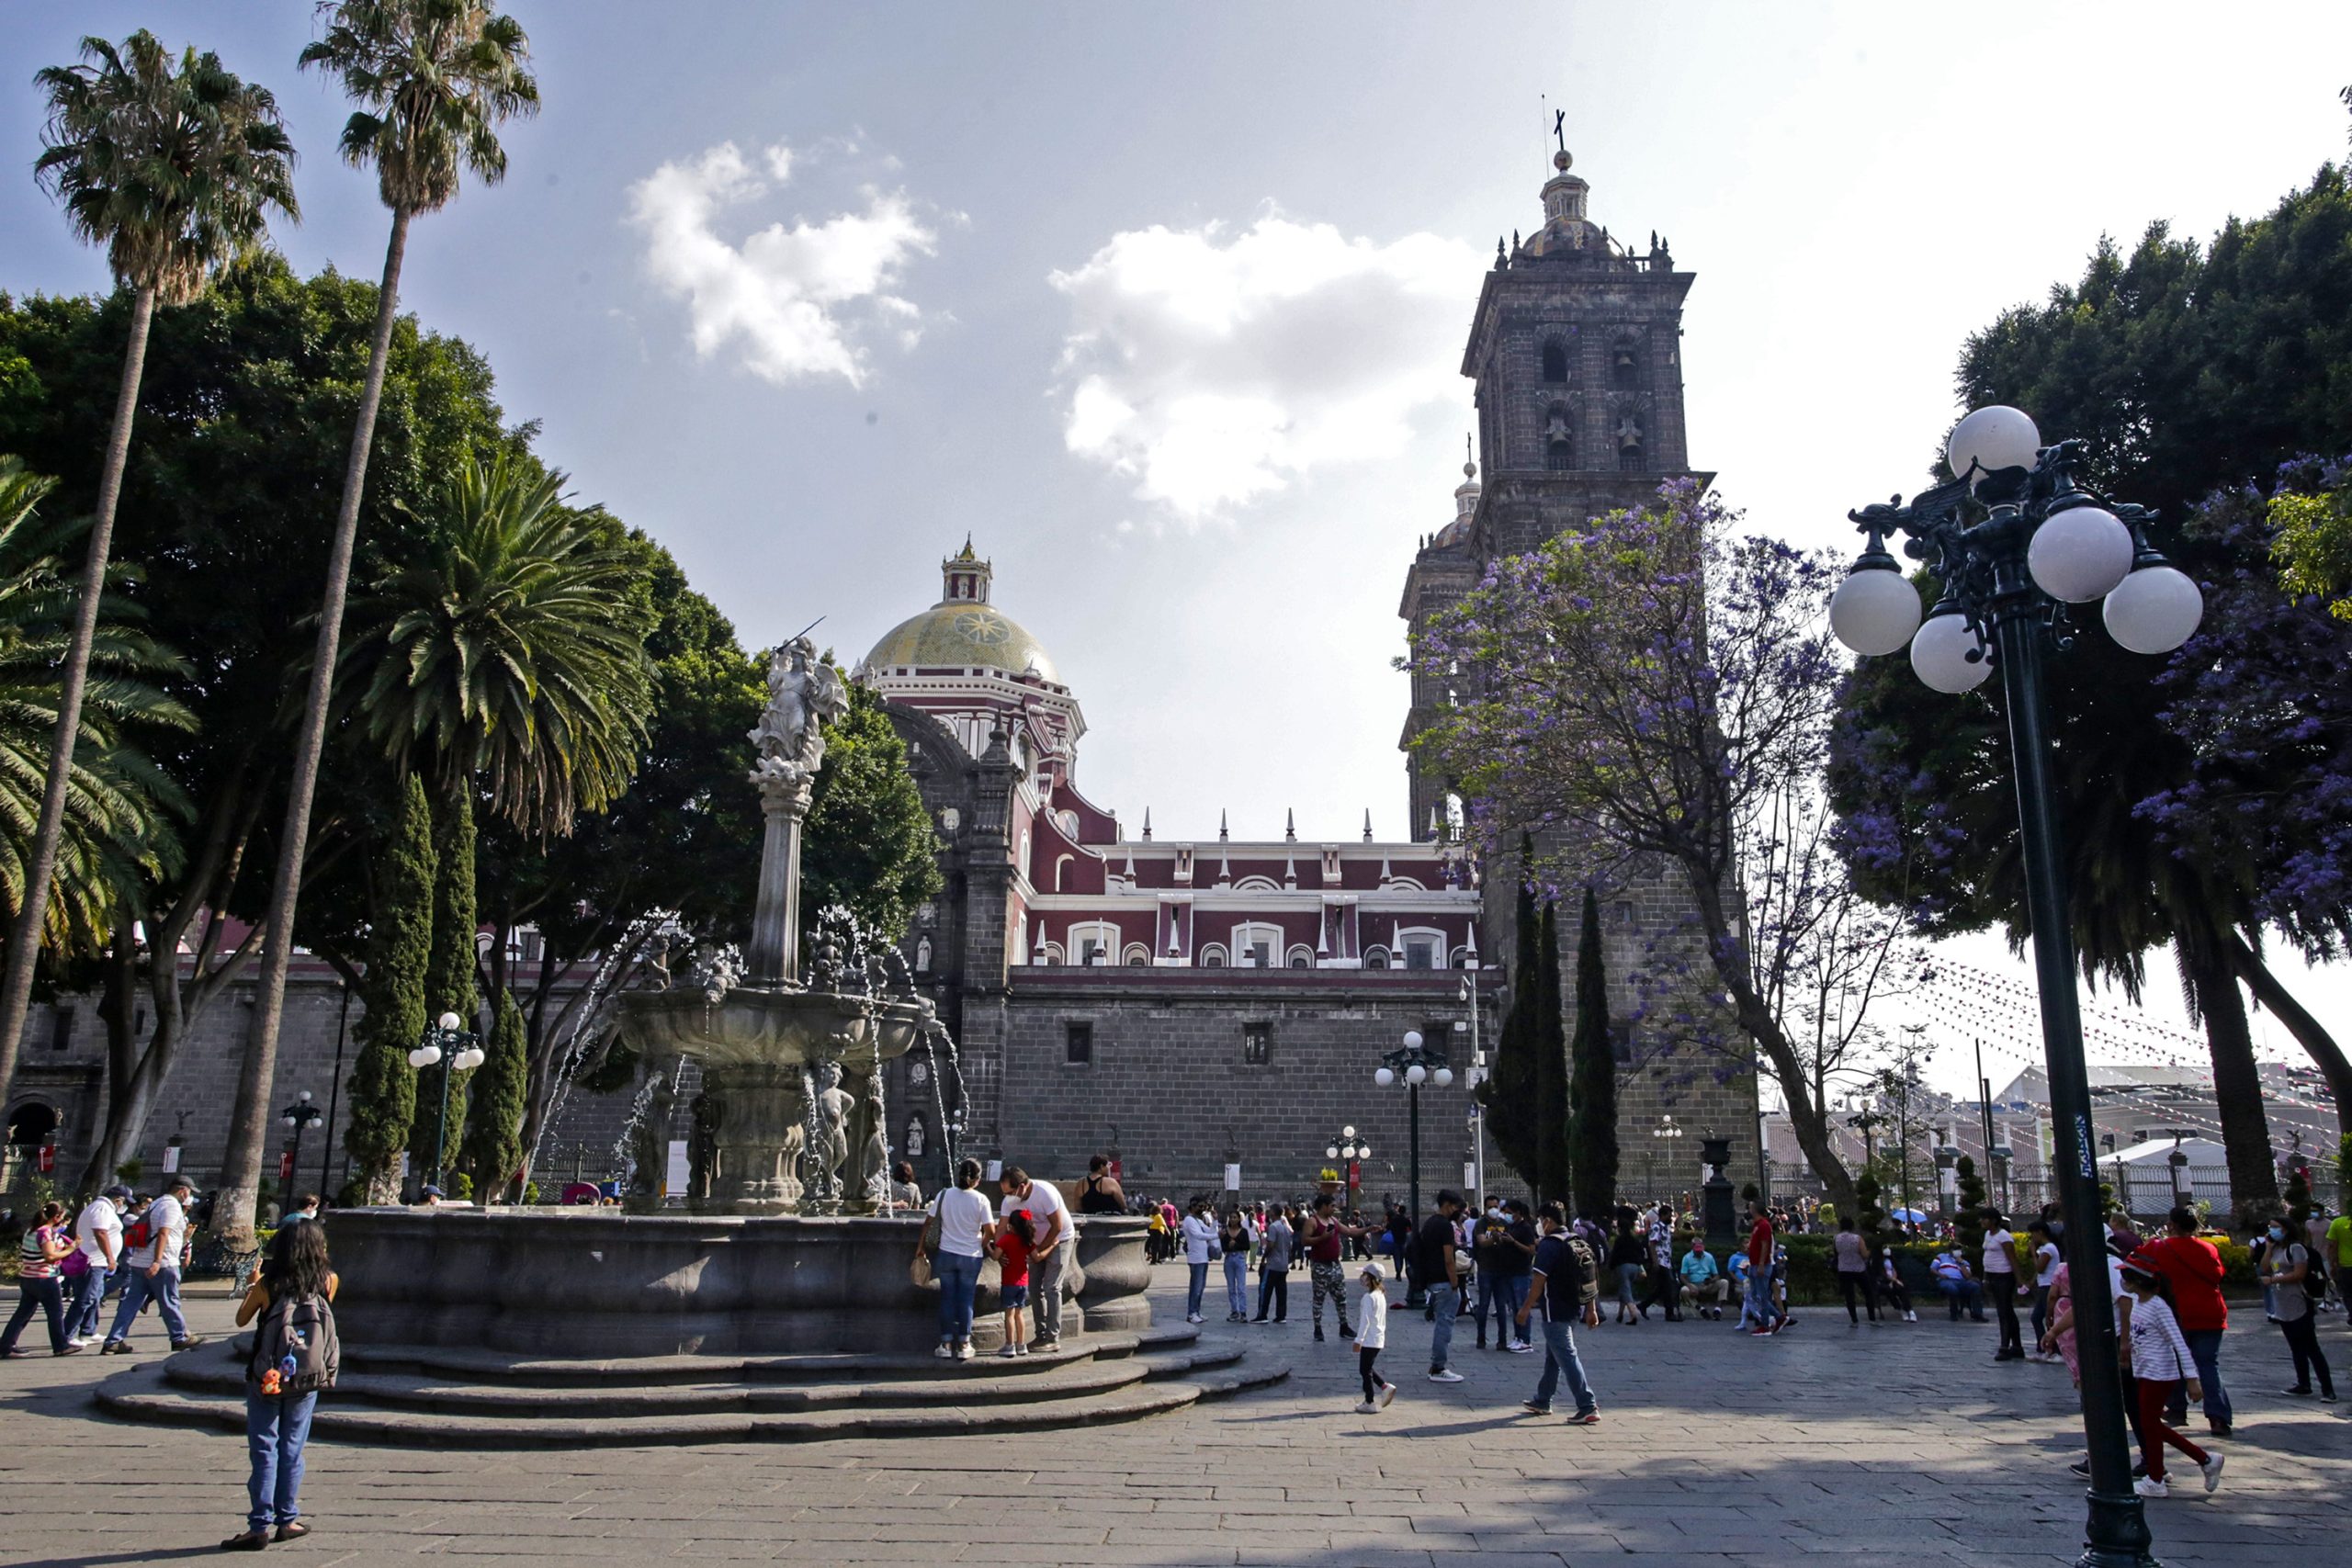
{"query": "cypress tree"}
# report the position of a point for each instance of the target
(399, 949)
(1552, 1116)
(1510, 1092)
(494, 1141)
(1592, 1086)
(1972, 1208)
(450, 975)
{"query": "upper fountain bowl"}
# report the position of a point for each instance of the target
(755, 1025)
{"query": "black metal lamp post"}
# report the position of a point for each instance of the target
(1346, 1153)
(299, 1115)
(463, 1053)
(1414, 1064)
(2013, 541)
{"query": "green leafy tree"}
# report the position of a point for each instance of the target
(514, 653)
(400, 955)
(1592, 1057)
(2188, 370)
(494, 1141)
(243, 391)
(1973, 1199)
(1512, 1095)
(122, 810)
(449, 984)
(2314, 546)
(437, 78)
(1555, 1119)
(174, 169)
(868, 843)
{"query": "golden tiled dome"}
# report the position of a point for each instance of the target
(962, 635)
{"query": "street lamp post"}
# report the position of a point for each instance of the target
(299, 1115)
(462, 1047)
(2012, 541)
(1667, 1129)
(1344, 1152)
(1412, 1065)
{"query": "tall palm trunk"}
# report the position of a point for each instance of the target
(24, 939)
(2312, 1034)
(2213, 992)
(239, 1187)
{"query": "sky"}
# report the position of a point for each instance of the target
(1164, 306)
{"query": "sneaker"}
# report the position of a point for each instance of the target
(1367, 1408)
(1193, 1317)
(1445, 1375)
(1521, 1347)
(16, 1352)
(115, 1348)
(68, 1348)
(1346, 1333)
(1009, 1352)
(1585, 1418)
(190, 1343)
(2296, 1393)
(1387, 1393)
(2212, 1469)
(2148, 1486)
(944, 1350)
(1318, 1336)
(1024, 1350)
(1534, 1409)
(964, 1352)
(1759, 1332)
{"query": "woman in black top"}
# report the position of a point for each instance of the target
(1625, 1256)
(1101, 1194)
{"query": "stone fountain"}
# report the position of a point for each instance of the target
(784, 1244)
(791, 1117)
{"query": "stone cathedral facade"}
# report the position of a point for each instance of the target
(1576, 352)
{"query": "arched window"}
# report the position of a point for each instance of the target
(1554, 367)
(1625, 365)
(1559, 445)
(1631, 459)
(1376, 958)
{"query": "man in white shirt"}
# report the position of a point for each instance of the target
(99, 1229)
(154, 1267)
(1049, 1250)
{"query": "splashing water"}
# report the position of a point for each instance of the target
(595, 1018)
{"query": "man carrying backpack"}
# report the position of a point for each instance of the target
(156, 1245)
(1565, 1287)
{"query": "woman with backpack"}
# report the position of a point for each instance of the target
(295, 1355)
(2285, 1270)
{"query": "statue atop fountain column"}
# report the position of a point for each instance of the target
(803, 693)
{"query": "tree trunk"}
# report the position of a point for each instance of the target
(23, 937)
(239, 1187)
(2238, 1081)
(2312, 1035)
(1808, 1115)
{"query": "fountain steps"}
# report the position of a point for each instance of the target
(206, 1388)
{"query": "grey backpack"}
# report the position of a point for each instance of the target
(297, 1336)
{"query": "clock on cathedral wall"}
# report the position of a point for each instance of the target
(982, 628)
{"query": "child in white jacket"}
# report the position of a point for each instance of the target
(1372, 1338)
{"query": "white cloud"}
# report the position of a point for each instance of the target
(790, 298)
(1215, 368)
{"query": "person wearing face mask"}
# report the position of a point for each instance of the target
(2283, 1269)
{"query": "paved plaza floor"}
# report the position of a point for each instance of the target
(1902, 1444)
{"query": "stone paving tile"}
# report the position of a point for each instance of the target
(1825, 1447)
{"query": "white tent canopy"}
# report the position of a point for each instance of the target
(2203, 1153)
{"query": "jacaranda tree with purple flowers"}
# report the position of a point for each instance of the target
(1652, 694)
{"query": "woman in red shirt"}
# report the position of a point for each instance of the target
(2192, 1268)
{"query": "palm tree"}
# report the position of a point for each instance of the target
(173, 169)
(517, 656)
(437, 77)
(120, 808)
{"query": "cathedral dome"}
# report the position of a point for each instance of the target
(963, 631)
(966, 634)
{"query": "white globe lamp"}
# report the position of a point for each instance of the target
(424, 1055)
(1939, 653)
(1445, 1077)
(2080, 553)
(1347, 1131)
(1363, 1151)
(1331, 1153)
(1412, 1040)
(2154, 610)
(1417, 1074)
(448, 1022)
(1991, 439)
(1874, 611)
(1382, 1076)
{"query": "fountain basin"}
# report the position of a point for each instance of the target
(758, 1025)
(596, 1282)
